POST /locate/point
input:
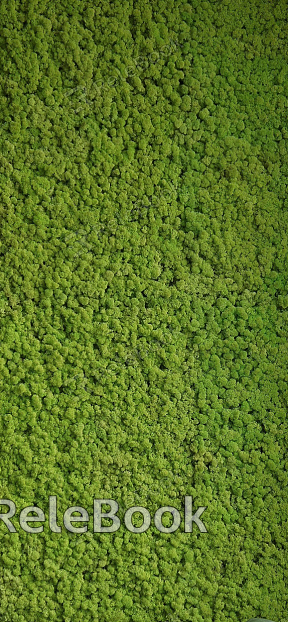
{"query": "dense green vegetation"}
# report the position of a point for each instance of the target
(144, 304)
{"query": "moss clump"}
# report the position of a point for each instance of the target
(144, 303)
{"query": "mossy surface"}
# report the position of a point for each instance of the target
(144, 304)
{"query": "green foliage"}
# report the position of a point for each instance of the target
(144, 303)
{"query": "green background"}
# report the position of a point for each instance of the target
(143, 304)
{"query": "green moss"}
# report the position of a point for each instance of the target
(143, 304)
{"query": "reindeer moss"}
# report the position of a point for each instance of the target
(144, 304)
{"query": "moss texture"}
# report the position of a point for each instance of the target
(144, 304)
